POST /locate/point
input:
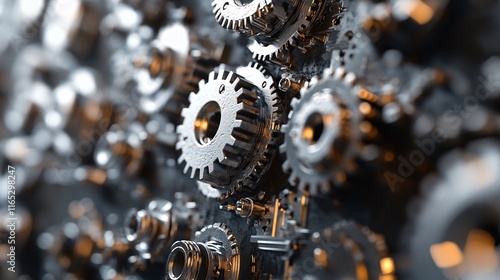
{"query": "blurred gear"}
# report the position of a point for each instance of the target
(231, 129)
(72, 25)
(154, 229)
(171, 69)
(456, 233)
(344, 251)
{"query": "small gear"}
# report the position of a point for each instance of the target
(459, 212)
(346, 250)
(214, 254)
(231, 129)
(323, 132)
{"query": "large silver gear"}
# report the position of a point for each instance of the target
(459, 202)
(231, 129)
(323, 134)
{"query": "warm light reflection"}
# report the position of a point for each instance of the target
(446, 254)
(480, 254)
(387, 265)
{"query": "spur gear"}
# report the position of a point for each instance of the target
(346, 250)
(214, 254)
(231, 129)
(323, 132)
(457, 232)
(278, 27)
(258, 16)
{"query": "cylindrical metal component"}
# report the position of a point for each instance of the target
(193, 261)
(246, 207)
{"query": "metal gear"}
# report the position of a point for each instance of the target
(323, 133)
(213, 255)
(278, 27)
(459, 215)
(231, 129)
(171, 69)
(258, 16)
(346, 250)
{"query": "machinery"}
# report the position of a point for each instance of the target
(250, 139)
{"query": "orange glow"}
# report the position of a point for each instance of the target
(420, 12)
(480, 254)
(446, 254)
(387, 265)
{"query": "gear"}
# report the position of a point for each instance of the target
(323, 133)
(213, 255)
(278, 27)
(231, 129)
(460, 209)
(344, 251)
(171, 69)
(255, 17)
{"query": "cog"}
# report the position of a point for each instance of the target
(252, 18)
(276, 48)
(323, 133)
(171, 69)
(346, 250)
(459, 208)
(231, 129)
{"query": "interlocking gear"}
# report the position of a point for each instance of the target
(323, 133)
(258, 16)
(278, 27)
(231, 129)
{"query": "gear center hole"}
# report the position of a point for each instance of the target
(176, 264)
(207, 122)
(313, 128)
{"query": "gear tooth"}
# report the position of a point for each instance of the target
(194, 172)
(204, 172)
(212, 76)
(339, 73)
(192, 98)
(350, 78)
(314, 80)
(179, 145)
(328, 72)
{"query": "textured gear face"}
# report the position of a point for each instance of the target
(322, 133)
(226, 128)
